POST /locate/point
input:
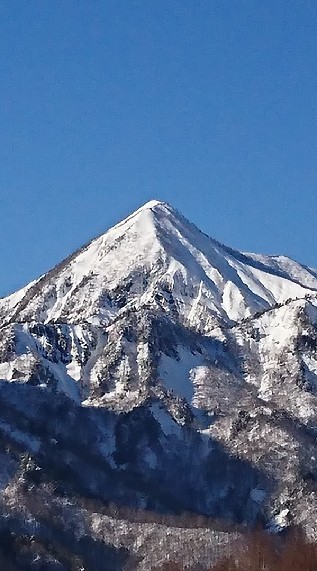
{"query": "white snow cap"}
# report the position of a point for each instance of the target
(153, 203)
(167, 261)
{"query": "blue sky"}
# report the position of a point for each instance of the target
(210, 105)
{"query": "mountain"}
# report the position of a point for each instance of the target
(158, 369)
(152, 254)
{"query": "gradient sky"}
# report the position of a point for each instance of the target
(210, 105)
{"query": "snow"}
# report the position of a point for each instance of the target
(311, 363)
(281, 519)
(279, 326)
(13, 299)
(29, 441)
(168, 425)
(177, 375)
(233, 307)
(150, 459)
(297, 272)
(108, 447)
(311, 310)
(233, 302)
(257, 495)
(22, 363)
(209, 281)
(7, 469)
(66, 384)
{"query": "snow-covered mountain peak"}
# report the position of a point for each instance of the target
(156, 258)
(153, 204)
(202, 358)
(156, 207)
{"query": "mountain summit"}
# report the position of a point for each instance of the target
(159, 369)
(156, 257)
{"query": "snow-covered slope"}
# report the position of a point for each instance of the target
(183, 371)
(157, 258)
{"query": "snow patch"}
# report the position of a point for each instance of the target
(177, 375)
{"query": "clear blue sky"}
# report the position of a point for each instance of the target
(210, 105)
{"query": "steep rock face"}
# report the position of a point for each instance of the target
(159, 369)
